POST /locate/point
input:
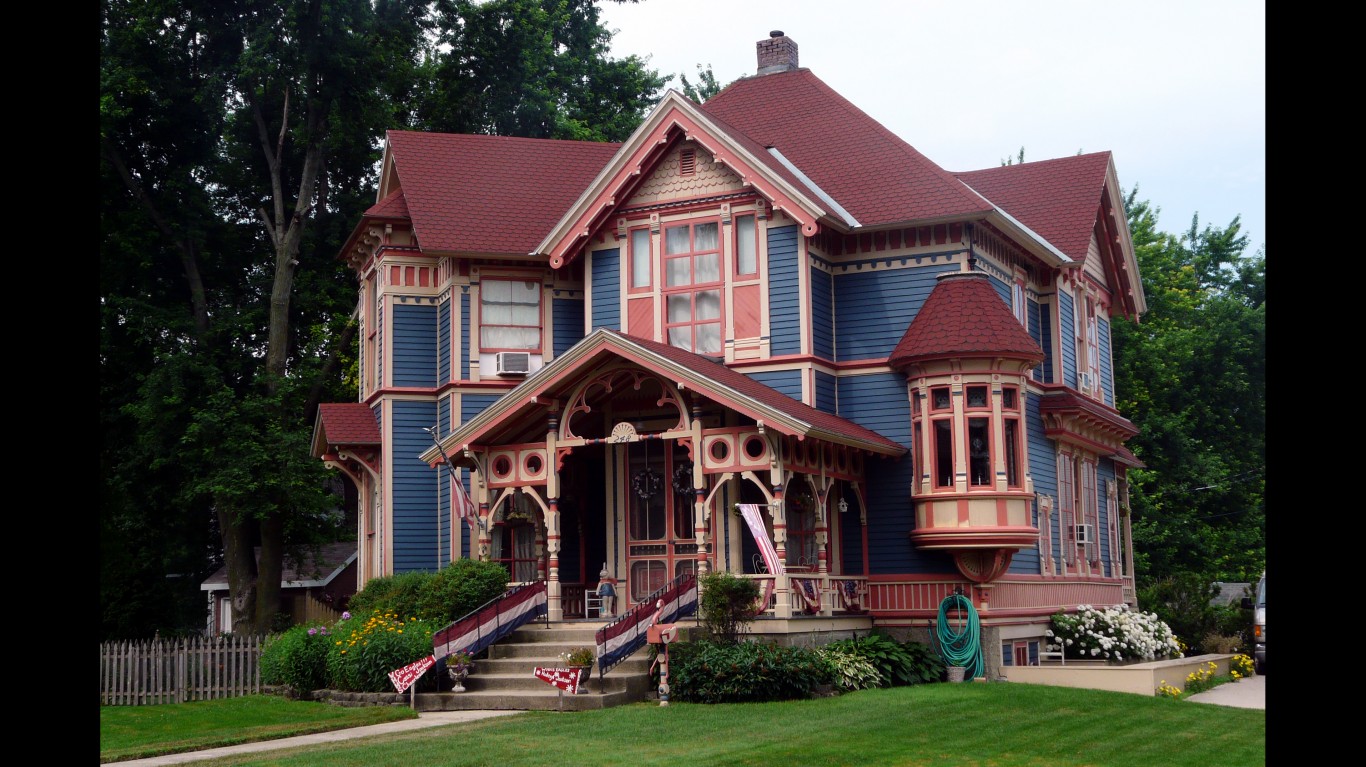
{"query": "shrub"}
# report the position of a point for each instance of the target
(726, 606)
(365, 650)
(739, 672)
(1200, 679)
(1112, 633)
(297, 658)
(852, 670)
(1182, 602)
(457, 590)
(926, 665)
(1219, 643)
(896, 663)
(399, 594)
(1240, 666)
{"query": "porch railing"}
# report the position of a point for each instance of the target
(492, 621)
(839, 594)
(619, 639)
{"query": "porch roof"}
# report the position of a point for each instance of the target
(699, 374)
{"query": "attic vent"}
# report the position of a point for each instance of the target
(687, 162)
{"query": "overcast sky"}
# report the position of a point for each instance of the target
(1174, 89)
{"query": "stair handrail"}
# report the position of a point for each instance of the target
(492, 621)
(619, 639)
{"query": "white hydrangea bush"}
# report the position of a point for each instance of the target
(1112, 633)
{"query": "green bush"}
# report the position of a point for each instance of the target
(726, 605)
(399, 594)
(297, 658)
(852, 671)
(741, 672)
(926, 665)
(458, 590)
(365, 649)
(895, 665)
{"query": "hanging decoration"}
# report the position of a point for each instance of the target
(647, 482)
(683, 479)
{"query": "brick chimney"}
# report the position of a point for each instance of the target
(776, 54)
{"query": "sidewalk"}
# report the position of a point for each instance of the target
(1244, 693)
(424, 720)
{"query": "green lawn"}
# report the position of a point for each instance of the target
(977, 725)
(134, 732)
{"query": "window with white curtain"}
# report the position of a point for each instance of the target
(510, 314)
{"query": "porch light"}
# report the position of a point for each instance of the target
(843, 505)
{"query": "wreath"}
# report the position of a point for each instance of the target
(683, 479)
(646, 483)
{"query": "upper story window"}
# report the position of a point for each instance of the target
(1017, 303)
(746, 247)
(509, 314)
(692, 286)
(1087, 345)
(1010, 420)
(640, 258)
(991, 440)
(942, 425)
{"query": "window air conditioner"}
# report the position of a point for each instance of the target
(1084, 534)
(512, 363)
(1084, 382)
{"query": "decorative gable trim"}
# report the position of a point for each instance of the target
(674, 117)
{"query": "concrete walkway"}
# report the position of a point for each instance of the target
(424, 720)
(1244, 693)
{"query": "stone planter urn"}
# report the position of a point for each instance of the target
(458, 670)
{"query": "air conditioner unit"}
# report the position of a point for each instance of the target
(512, 363)
(1084, 382)
(1084, 534)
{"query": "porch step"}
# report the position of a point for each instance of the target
(505, 680)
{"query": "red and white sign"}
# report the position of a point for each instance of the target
(403, 678)
(566, 679)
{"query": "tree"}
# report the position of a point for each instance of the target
(1192, 377)
(705, 88)
(239, 141)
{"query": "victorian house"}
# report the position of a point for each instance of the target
(766, 299)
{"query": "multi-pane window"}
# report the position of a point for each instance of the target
(979, 437)
(1087, 346)
(692, 286)
(514, 547)
(942, 423)
(1088, 510)
(1017, 303)
(1010, 421)
(510, 314)
(1066, 506)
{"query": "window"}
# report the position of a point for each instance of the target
(692, 286)
(1010, 417)
(979, 452)
(514, 547)
(1087, 509)
(746, 246)
(1017, 303)
(1088, 345)
(940, 403)
(801, 533)
(1066, 520)
(510, 314)
(640, 258)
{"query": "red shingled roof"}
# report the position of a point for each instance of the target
(867, 169)
(1059, 199)
(765, 395)
(964, 316)
(490, 194)
(393, 206)
(348, 423)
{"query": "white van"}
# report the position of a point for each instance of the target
(1258, 608)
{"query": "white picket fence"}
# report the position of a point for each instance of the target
(156, 671)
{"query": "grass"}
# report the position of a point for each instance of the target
(936, 725)
(136, 732)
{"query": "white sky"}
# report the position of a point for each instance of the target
(1175, 89)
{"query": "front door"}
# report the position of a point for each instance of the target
(660, 543)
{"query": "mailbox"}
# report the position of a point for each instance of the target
(661, 633)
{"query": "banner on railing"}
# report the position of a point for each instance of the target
(492, 622)
(618, 639)
(403, 678)
(750, 511)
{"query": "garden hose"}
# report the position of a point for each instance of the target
(961, 646)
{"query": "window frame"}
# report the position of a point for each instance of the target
(484, 282)
(735, 227)
(631, 233)
(693, 289)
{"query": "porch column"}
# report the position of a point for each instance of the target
(782, 588)
(554, 607)
(699, 505)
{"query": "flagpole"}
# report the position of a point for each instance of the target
(434, 431)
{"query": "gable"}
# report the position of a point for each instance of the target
(675, 177)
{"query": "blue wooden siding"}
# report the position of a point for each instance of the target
(1107, 377)
(464, 299)
(443, 486)
(822, 315)
(1038, 330)
(825, 393)
(606, 287)
(443, 342)
(1068, 339)
(413, 485)
(472, 405)
(876, 307)
(414, 345)
(566, 316)
(1105, 472)
(1043, 470)
(784, 292)
(788, 382)
(879, 402)
(1002, 290)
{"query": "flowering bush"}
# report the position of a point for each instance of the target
(1113, 633)
(297, 658)
(1200, 679)
(1240, 666)
(579, 656)
(1165, 690)
(362, 654)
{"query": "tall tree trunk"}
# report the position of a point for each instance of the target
(240, 556)
(269, 571)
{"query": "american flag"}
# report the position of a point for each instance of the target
(464, 507)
